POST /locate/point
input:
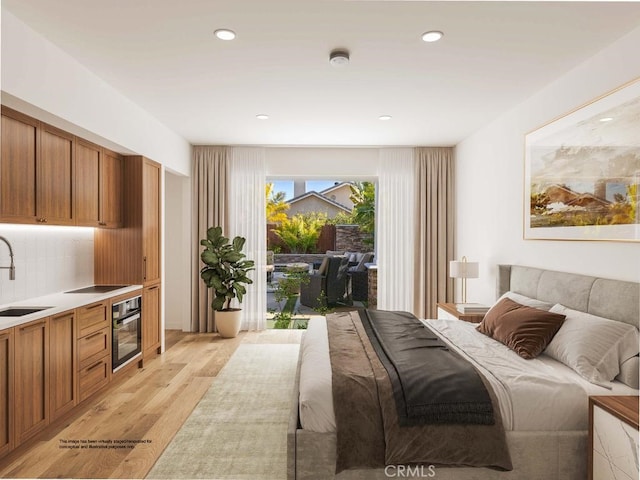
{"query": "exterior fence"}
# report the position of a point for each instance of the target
(347, 238)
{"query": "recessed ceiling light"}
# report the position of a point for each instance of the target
(225, 34)
(262, 116)
(384, 117)
(432, 36)
(606, 119)
(339, 58)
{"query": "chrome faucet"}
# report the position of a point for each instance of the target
(12, 267)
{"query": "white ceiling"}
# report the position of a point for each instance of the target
(162, 55)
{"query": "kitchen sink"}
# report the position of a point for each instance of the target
(97, 289)
(20, 311)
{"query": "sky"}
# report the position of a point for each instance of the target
(286, 186)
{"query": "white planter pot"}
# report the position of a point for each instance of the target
(228, 322)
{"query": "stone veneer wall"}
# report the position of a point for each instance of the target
(349, 238)
(372, 294)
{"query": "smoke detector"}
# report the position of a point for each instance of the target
(339, 58)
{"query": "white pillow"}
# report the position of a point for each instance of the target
(528, 301)
(629, 371)
(592, 346)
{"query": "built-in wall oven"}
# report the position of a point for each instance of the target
(126, 317)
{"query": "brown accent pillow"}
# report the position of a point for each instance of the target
(525, 330)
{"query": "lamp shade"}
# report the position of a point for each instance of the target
(463, 269)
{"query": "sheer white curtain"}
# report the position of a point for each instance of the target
(395, 229)
(247, 218)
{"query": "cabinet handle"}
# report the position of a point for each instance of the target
(102, 224)
(100, 362)
(144, 268)
(93, 336)
(95, 306)
(31, 327)
(155, 287)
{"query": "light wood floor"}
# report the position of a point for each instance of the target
(148, 404)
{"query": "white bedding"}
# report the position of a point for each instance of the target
(540, 394)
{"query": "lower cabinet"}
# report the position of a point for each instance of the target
(63, 394)
(151, 308)
(31, 378)
(6, 391)
(94, 349)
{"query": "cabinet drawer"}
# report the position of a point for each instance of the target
(93, 347)
(94, 377)
(92, 318)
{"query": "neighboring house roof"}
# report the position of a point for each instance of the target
(320, 197)
(335, 187)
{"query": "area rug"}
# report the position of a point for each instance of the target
(239, 428)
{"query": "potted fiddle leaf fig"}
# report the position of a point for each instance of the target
(225, 271)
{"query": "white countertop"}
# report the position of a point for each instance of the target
(58, 303)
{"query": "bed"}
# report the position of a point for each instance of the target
(545, 441)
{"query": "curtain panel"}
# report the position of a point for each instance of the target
(434, 232)
(395, 239)
(247, 218)
(209, 209)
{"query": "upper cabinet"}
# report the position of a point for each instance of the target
(98, 186)
(54, 177)
(151, 178)
(48, 176)
(87, 182)
(18, 168)
(111, 169)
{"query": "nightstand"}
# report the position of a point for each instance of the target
(448, 311)
(613, 437)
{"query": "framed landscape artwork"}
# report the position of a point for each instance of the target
(582, 172)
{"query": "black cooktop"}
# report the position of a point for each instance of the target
(97, 289)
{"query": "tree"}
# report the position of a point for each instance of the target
(363, 196)
(301, 232)
(276, 205)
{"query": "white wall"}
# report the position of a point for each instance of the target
(177, 247)
(47, 260)
(333, 163)
(490, 176)
(40, 79)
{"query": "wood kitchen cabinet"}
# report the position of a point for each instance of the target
(36, 171)
(49, 176)
(63, 395)
(132, 255)
(31, 380)
(111, 188)
(87, 184)
(151, 183)
(54, 177)
(94, 348)
(150, 320)
(18, 167)
(6, 391)
(98, 186)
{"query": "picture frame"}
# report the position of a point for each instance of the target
(582, 172)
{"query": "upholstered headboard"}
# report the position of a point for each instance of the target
(613, 299)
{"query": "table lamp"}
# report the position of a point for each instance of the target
(463, 269)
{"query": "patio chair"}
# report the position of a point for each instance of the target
(331, 279)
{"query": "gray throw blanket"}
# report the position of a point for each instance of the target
(369, 434)
(431, 383)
